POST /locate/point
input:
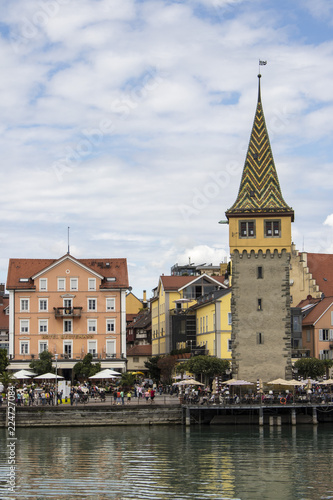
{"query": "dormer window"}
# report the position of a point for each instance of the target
(247, 229)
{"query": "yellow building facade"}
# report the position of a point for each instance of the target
(213, 324)
(174, 323)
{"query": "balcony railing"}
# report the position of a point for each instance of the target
(300, 353)
(68, 312)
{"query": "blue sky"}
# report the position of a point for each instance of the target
(128, 121)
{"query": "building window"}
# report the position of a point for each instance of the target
(24, 305)
(92, 325)
(325, 334)
(43, 284)
(110, 325)
(43, 325)
(24, 326)
(136, 359)
(42, 347)
(110, 348)
(259, 304)
(43, 305)
(74, 284)
(92, 347)
(68, 349)
(260, 338)
(272, 228)
(247, 229)
(61, 284)
(68, 327)
(259, 273)
(110, 304)
(68, 306)
(229, 345)
(24, 347)
(91, 283)
(92, 304)
(229, 319)
(308, 335)
(325, 354)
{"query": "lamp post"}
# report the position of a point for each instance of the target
(56, 360)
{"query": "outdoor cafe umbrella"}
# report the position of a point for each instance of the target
(48, 376)
(188, 381)
(104, 374)
(239, 383)
(23, 374)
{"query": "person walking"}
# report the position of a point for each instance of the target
(129, 395)
(122, 395)
(115, 397)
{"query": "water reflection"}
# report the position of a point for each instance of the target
(171, 463)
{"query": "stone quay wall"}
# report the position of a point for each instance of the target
(72, 416)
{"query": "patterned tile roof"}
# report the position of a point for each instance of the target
(259, 191)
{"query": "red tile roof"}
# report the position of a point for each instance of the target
(321, 267)
(317, 311)
(27, 268)
(175, 282)
(140, 350)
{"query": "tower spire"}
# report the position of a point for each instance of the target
(259, 191)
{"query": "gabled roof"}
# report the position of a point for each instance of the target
(259, 191)
(321, 267)
(30, 269)
(140, 350)
(175, 283)
(142, 320)
(317, 311)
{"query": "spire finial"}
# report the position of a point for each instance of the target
(261, 63)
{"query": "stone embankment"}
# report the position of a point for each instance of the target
(92, 415)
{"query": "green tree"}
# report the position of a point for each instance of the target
(328, 363)
(6, 378)
(4, 361)
(207, 366)
(152, 367)
(127, 380)
(311, 367)
(166, 365)
(86, 368)
(43, 364)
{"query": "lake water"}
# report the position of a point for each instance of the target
(197, 463)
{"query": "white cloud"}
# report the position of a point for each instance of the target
(130, 123)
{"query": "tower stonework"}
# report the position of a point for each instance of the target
(260, 248)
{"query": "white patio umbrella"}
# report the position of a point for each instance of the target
(27, 374)
(48, 376)
(189, 381)
(21, 377)
(106, 373)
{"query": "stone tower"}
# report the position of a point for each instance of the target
(260, 249)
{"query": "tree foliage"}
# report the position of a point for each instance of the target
(312, 367)
(86, 368)
(166, 365)
(6, 378)
(43, 364)
(127, 380)
(4, 361)
(205, 365)
(152, 367)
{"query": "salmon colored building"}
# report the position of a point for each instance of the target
(69, 307)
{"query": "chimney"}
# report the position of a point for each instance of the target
(144, 301)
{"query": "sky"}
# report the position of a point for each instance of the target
(128, 122)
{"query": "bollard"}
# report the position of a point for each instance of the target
(271, 421)
(314, 416)
(261, 416)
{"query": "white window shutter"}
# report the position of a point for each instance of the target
(331, 334)
(320, 334)
(321, 354)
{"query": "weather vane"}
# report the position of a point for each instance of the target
(261, 63)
